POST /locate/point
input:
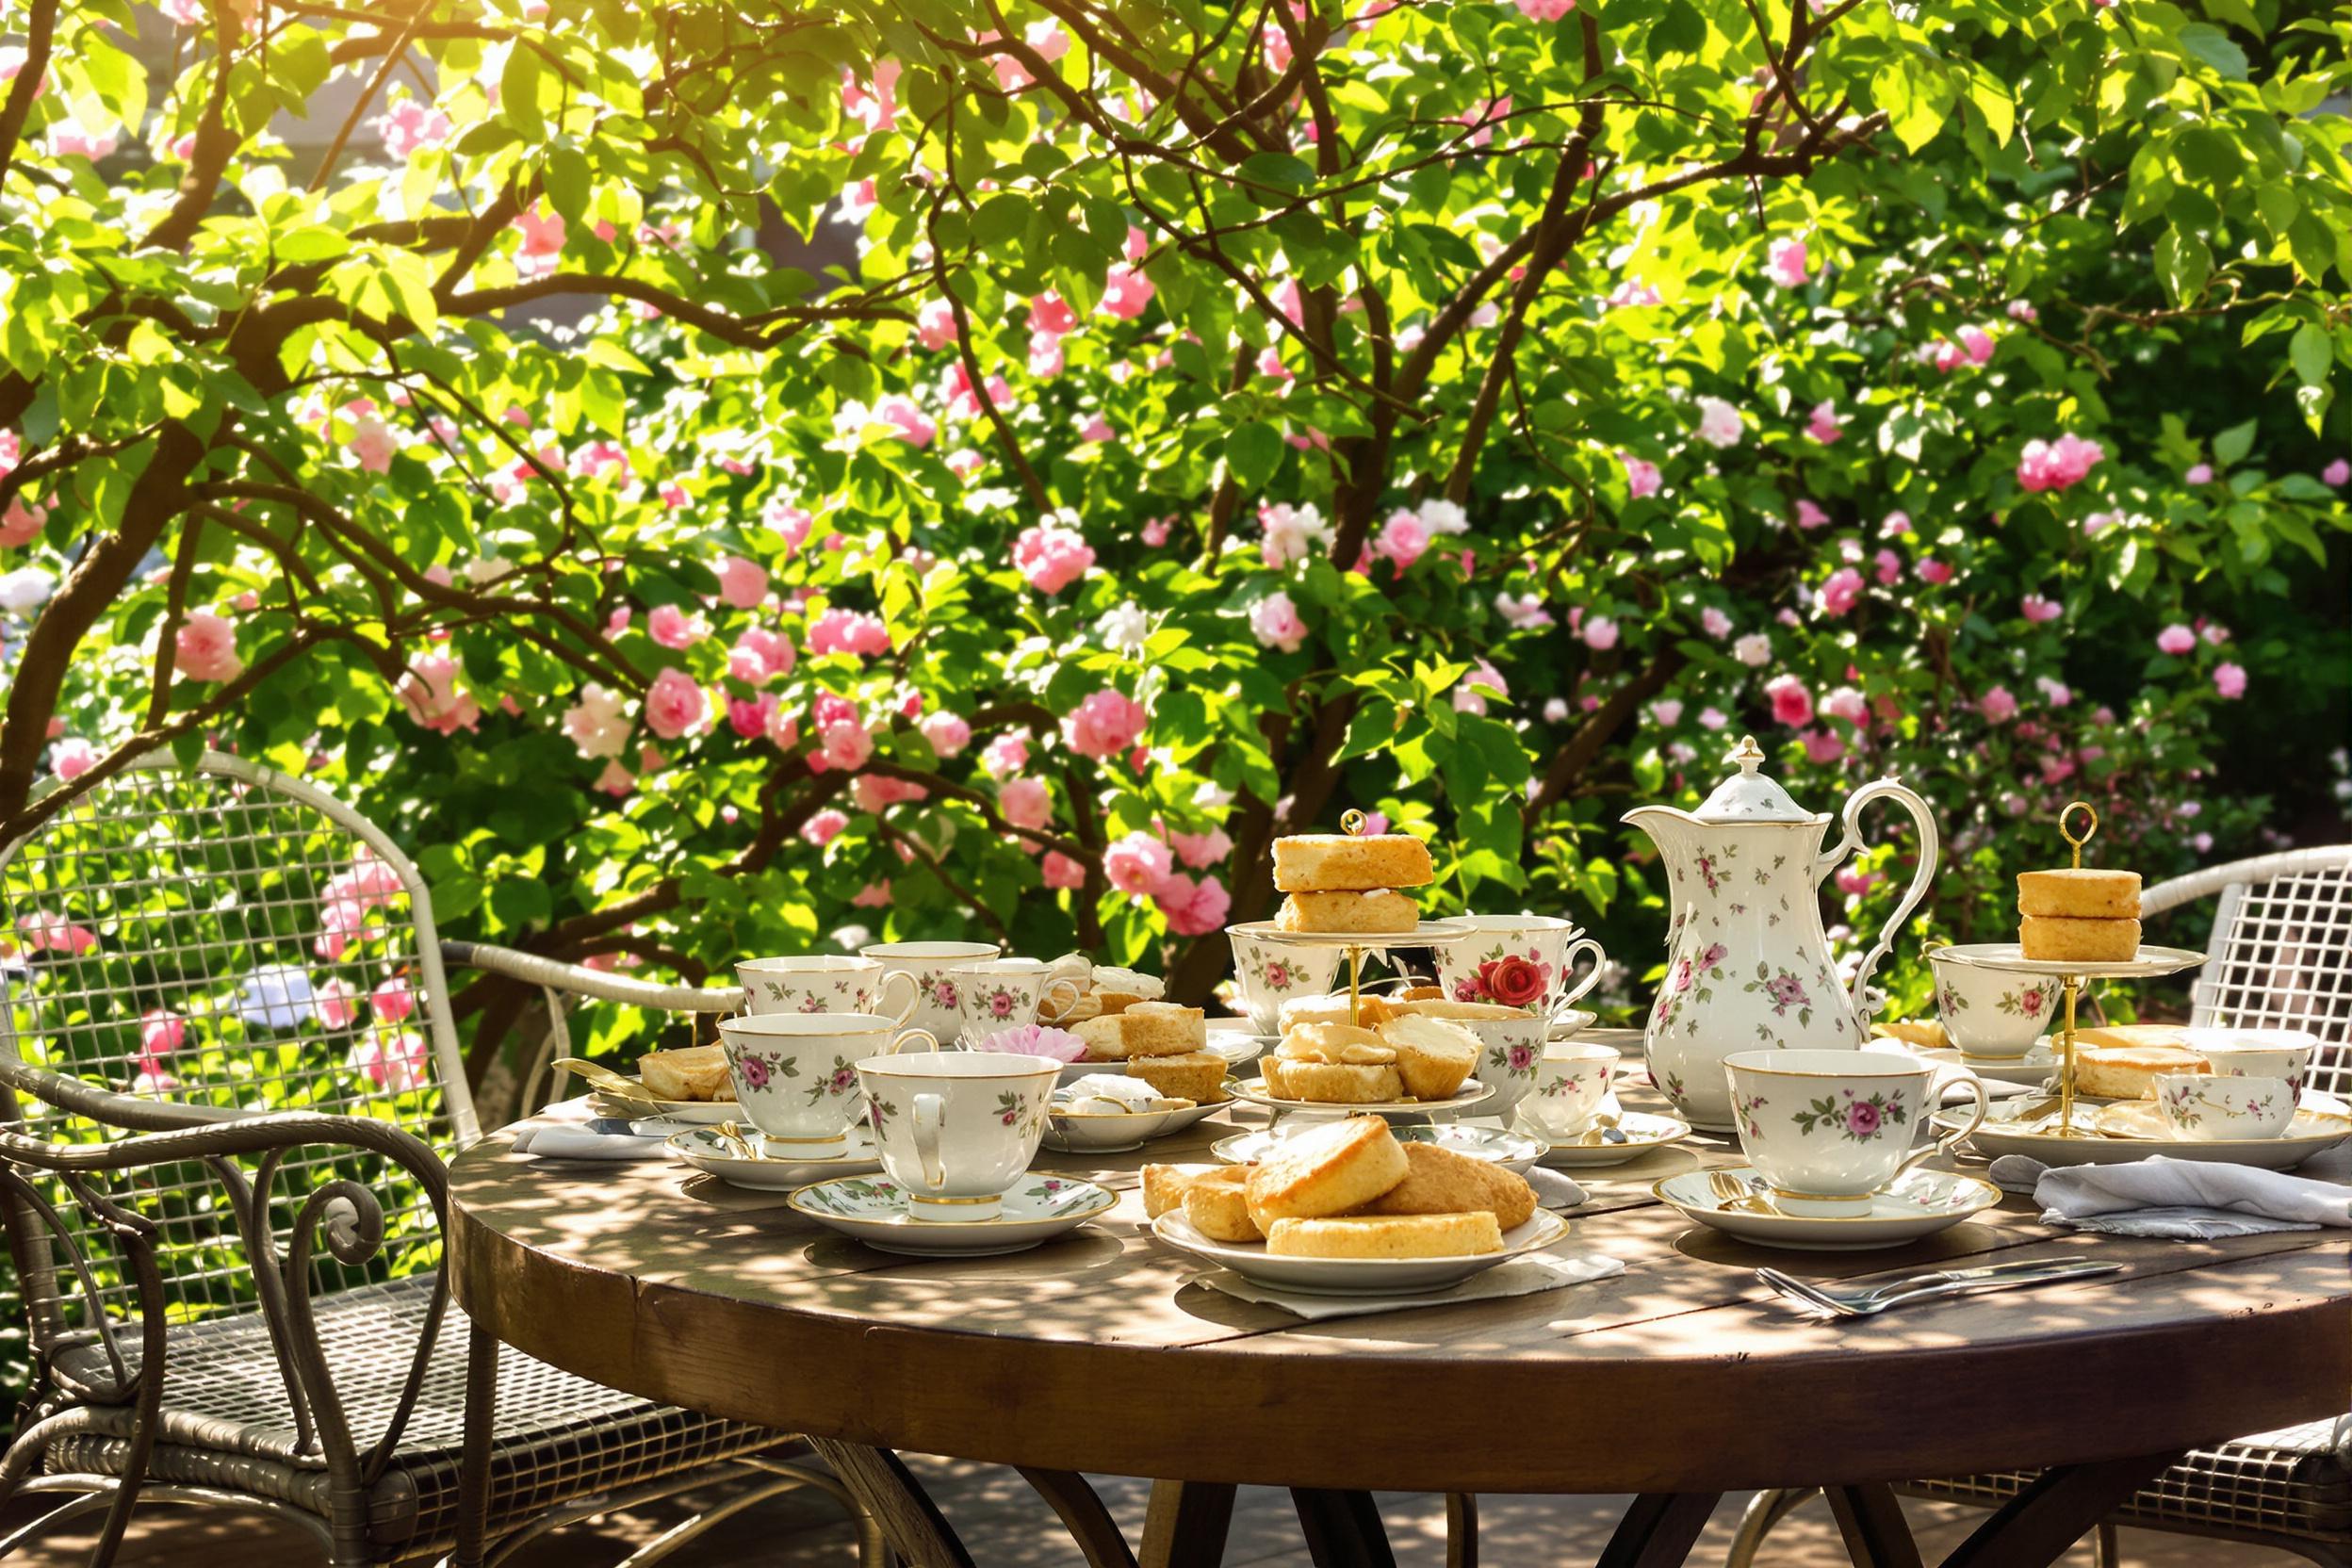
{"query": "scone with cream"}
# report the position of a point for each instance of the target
(1195, 1075)
(1433, 1054)
(1327, 1170)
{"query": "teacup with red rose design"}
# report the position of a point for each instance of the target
(1266, 975)
(1518, 960)
(1571, 1080)
(1988, 1013)
(1828, 1129)
(1006, 993)
(826, 983)
(797, 1074)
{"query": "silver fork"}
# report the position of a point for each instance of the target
(1872, 1300)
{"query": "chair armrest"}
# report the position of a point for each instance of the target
(135, 1112)
(583, 980)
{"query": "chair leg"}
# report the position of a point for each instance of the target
(2105, 1551)
(473, 1468)
(1765, 1512)
(1461, 1529)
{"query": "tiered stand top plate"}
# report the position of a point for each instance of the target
(1429, 933)
(2151, 962)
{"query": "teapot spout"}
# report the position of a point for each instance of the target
(1668, 827)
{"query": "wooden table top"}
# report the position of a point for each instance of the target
(1682, 1373)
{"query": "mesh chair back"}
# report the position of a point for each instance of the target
(2282, 951)
(222, 935)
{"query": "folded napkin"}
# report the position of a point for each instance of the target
(2181, 1200)
(1538, 1271)
(1553, 1190)
(570, 1131)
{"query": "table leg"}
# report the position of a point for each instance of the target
(1186, 1524)
(910, 1522)
(1659, 1529)
(1871, 1519)
(473, 1462)
(2034, 1528)
(1342, 1528)
(1461, 1529)
(1083, 1515)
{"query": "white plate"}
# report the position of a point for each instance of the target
(1919, 1204)
(707, 1152)
(1429, 933)
(1643, 1132)
(2031, 1070)
(1513, 1150)
(1237, 1050)
(2010, 959)
(1110, 1134)
(1355, 1276)
(2313, 1132)
(688, 1113)
(873, 1209)
(1568, 1025)
(1471, 1093)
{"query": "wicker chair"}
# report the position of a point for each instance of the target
(2280, 957)
(228, 1081)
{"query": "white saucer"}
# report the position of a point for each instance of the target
(1643, 1132)
(1110, 1133)
(1568, 1024)
(708, 1151)
(2010, 959)
(2121, 1130)
(1472, 1093)
(1355, 1276)
(2031, 1070)
(1429, 933)
(873, 1209)
(1919, 1204)
(1513, 1150)
(1236, 1049)
(686, 1112)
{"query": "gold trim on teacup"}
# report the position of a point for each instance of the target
(1913, 1070)
(953, 1077)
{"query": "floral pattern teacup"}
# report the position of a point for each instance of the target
(1518, 960)
(795, 1073)
(825, 983)
(956, 1130)
(1511, 1061)
(1268, 974)
(2255, 1053)
(1006, 993)
(1828, 1129)
(2206, 1108)
(1571, 1080)
(1989, 1013)
(936, 990)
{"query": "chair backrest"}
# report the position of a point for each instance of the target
(2280, 955)
(223, 935)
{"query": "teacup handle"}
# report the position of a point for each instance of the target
(1950, 1140)
(930, 1041)
(898, 1015)
(1050, 1012)
(1591, 976)
(924, 1120)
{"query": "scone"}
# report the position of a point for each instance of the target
(1443, 1181)
(1116, 989)
(1369, 1010)
(1930, 1034)
(1328, 1169)
(2129, 1071)
(2059, 940)
(2079, 893)
(1382, 913)
(1326, 862)
(1163, 1185)
(1421, 993)
(1195, 1075)
(1433, 1054)
(1144, 1029)
(1420, 1235)
(1218, 1205)
(1332, 1082)
(692, 1072)
(1334, 1042)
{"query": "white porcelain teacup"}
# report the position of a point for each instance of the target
(1006, 993)
(1571, 1080)
(935, 993)
(1989, 1013)
(2255, 1053)
(1468, 969)
(1266, 975)
(1512, 1059)
(2207, 1107)
(954, 1130)
(825, 983)
(1828, 1129)
(797, 1074)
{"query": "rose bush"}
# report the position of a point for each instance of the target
(1478, 414)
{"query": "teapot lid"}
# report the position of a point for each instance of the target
(1748, 795)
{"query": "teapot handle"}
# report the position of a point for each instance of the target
(1885, 789)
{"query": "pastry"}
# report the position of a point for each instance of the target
(1087, 1006)
(1443, 1007)
(1195, 1075)
(1420, 993)
(1328, 863)
(1336, 1042)
(1118, 989)
(1441, 1180)
(1218, 1205)
(1328, 1169)
(1115, 1094)
(1929, 1036)
(1163, 1185)
(1433, 1054)
(2129, 1071)
(1368, 1010)
(2079, 893)
(2128, 1035)
(1380, 913)
(2062, 940)
(1420, 1235)
(1332, 1082)
(1144, 1029)
(692, 1072)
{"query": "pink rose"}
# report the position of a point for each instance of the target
(2230, 680)
(71, 757)
(1839, 592)
(1822, 746)
(947, 732)
(1402, 540)
(1642, 478)
(1847, 704)
(429, 692)
(1999, 706)
(674, 628)
(935, 324)
(822, 828)
(1786, 263)
(1202, 849)
(1103, 726)
(1792, 705)
(2057, 464)
(2337, 473)
(1051, 557)
(161, 1032)
(1050, 312)
(393, 1000)
(2176, 640)
(1932, 570)
(743, 583)
(1715, 623)
(1136, 864)
(1025, 802)
(1825, 426)
(1810, 515)
(2036, 608)
(1060, 870)
(1191, 908)
(846, 745)
(1126, 293)
(1276, 623)
(206, 647)
(675, 705)
(1599, 633)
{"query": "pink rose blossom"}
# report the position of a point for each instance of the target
(1544, 10)
(1289, 532)
(1103, 726)
(372, 444)
(783, 729)
(71, 757)
(1887, 568)
(1480, 682)
(1275, 621)
(874, 896)
(1050, 312)
(1932, 570)
(1006, 755)
(1599, 633)
(1839, 592)
(161, 1032)
(598, 722)
(849, 631)
(2230, 680)
(2057, 465)
(408, 125)
(760, 655)
(1192, 908)
(393, 1000)
(1822, 746)
(1666, 712)
(914, 426)
(2198, 473)
(1060, 870)
(2036, 608)
(1810, 515)
(2337, 473)
(1045, 354)
(1025, 802)
(1126, 293)
(1642, 478)
(935, 324)
(1051, 557)
(748, 716)
(1845, 703)
(743, 583)
(1976, 343)
(675, 705)
(1155, 533)
(2176, 640)
(1720, 424)
(543, 241)
(1402, 540)
(1712, 718)
(45, 932)
(1786, 263)
(1998, 706)
(1202, 849)
(872, 793)
(1137, 863)
(1715, 623)
(947, 732)
(2214, 633)
(1825, 426)
(1792, 705)
(674, 628)
(846, 745)
(428, 690)
(397, 1063)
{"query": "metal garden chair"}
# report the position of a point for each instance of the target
(2281, 956)
(228, 1081)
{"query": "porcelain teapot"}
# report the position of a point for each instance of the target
(1747, 966)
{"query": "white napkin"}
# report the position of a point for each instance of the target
(2182, 1200)
(1526, 1276)
(570, 1131)
(1553, 1190)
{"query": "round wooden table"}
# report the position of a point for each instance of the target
(1681, 1379)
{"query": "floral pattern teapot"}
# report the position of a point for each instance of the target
(1747, 966)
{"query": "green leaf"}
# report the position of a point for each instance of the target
(2311, 351)
(2184, 264)
(567, 181)
(1253, 451)
(1278, 169)
(2211, 46)
(2230, 445)
(1991, 97)
(518, 89)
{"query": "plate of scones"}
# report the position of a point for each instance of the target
(1387, 1061)
(1346, 1209)
(1349, 888)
